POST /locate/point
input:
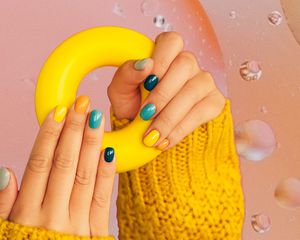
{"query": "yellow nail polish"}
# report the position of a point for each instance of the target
(163, 144)
(151, 138)
(81, 104)
(60, 113)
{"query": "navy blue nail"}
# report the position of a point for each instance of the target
(150, 82)
(109, 154)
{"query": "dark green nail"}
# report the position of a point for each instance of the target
(150, 82)
(109, 154)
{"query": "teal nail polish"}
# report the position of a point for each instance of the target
(150, 82)
(4, 178)
(95, 119)
(141, 64)
(109, 154)
(148, 111)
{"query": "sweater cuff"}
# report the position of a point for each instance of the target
(10, 230)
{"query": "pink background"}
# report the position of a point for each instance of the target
(31, 29)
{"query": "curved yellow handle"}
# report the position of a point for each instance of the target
(67, 65)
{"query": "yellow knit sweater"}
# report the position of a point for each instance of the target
(191, 191)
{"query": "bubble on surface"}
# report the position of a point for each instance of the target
(232, 14)
(261, 223)
(250, 70)
(287, 193)
(167, 27)
(159, 21)
(118, 10)
(275, 18)
(263, 109)
(149, 7)
(254, 140)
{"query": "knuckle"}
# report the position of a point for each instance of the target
(39, 163)
(160, 96)
(186, 59)
(62, 161)
(74, 125)
(164, 121)
(101, 199)
(91, 140)
(180, 131)
(106, 173)
(82, 177)
(163, 65)
(51, 132)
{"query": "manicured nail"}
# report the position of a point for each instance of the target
(163, 144)
(151, 138)
(109, 154)
(60, 113)
(95, 119)
(4, 178)
(141, 64)
(148, 111)
(81, 104)
(150, 82)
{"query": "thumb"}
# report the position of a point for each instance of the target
(8, 191)
(123, 91)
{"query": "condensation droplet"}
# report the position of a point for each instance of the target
(203, 41)
(159, 21)
(232, 15)
(275, 18)
(250, 70)
(287, 193)
(28, 81)
(254, 140)
(168, 27)
(118, 10)
(149, 7)
(263, 109)
(261, 223)
(200, 30)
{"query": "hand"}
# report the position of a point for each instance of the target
(183, 96)
(65, 187)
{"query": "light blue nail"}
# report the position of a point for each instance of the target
(148, 111)
(4, 178)
(140, 64)
(95, 119)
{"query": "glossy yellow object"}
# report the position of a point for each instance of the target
(60, 113)
(151, 138)
(81, 53)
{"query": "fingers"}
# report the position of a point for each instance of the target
(84, 184)
(123, 91)
(36, 174)
(65, 158)
(8, 191)
(191, 93)
(100, 207)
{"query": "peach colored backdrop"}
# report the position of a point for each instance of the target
(31, 29)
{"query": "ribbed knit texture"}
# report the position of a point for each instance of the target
(191, 191)
(13, 231)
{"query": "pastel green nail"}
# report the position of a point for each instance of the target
(140, 64)
(4, 178)
(109, 154)
(95, 118)
(148, 111)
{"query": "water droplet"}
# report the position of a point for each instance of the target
(263, 109)
(159, 21)
(168, 27)
(203, 41)
(261, 223)
(287, 193)
(250, 70)
(254, 140)
(28, 81)
(200, 29)
(232, 15)
(149, 7)
(275, 18)
(118, 10)
(230, 62)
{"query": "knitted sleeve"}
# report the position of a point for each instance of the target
(191, 191)
(9, 230)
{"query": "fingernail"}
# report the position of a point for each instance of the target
(151, 138)
(141, 64)
(148, 111)
(4, 178)
(60, 113)
(95, 119)
(163, 144)
(150, 82)
(82, 104)
(109, 154)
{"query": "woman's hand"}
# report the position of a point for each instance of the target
(65, 187)
(183, 96)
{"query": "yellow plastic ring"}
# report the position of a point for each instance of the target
(67, 65)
